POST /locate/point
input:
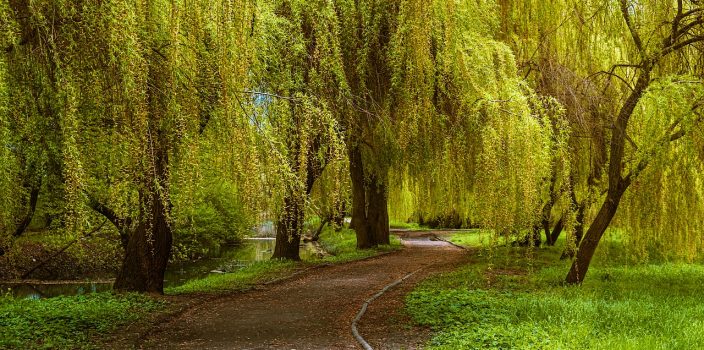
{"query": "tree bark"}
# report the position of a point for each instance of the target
(122, 225)
(33, 199)
(532, 239)
(370, 214)
(378, 212)
(552, 237)
(149, 247)
(288, 230)
(586, 249)
(571, 250)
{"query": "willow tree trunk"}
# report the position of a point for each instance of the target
(586, 249)
(370, 213)
(149, 246)
(552, 237)
(617, 183)
(378, 212)
(571, 249)
(33, 199)
(288, 230)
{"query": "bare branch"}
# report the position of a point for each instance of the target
(675, 47)
(612, 74)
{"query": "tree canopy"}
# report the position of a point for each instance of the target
(184, 118)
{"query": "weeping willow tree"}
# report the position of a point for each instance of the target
(123, 91)
(365, 31)
(474, 141)
(28, 141)
(300, 82)
(615, 56)
(7, 158)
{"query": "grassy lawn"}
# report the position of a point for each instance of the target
(510, 298)
(73, 321)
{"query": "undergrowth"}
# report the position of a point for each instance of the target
(69, 321)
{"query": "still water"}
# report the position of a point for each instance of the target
(227, 259)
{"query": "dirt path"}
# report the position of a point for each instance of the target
(314, 311)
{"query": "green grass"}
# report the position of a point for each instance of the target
(470, 238)
(510, 298)
(342, 245)
(405, 225)
(241, 279)
(68, 322)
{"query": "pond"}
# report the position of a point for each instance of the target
(227, 259)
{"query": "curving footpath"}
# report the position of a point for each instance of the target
(315, 310)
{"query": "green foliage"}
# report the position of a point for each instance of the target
(476, 141)
(490, 113)
(471, 238)
(220, 218)
(656, 215)
(68, 322)
(404, 225)
(509, 300)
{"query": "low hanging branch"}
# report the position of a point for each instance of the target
(63, 249)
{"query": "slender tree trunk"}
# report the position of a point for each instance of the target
(553, 236)
(338, 217)
(123, 225)
(586, 250)
(33, 199)
(617, 183)
(571, 250)
(316, 235)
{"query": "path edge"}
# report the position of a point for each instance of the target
(363, 310)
